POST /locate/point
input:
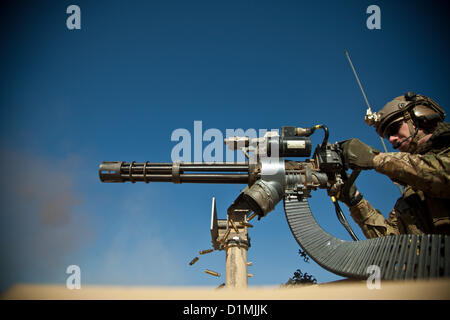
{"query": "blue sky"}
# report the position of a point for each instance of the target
(138, 70)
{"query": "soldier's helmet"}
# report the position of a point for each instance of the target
(423, 111)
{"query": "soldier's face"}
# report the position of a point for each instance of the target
(400, 134)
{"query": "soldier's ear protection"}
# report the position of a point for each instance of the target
(425, 113)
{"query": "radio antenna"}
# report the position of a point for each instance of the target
(369, 113)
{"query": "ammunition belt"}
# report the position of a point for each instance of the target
(398, 257)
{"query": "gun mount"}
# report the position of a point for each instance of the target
(270, 178)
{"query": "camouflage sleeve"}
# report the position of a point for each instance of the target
(429, 173)
(372, 222)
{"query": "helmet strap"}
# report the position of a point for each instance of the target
(413, 131)
(409, 121)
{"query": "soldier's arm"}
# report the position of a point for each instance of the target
(429, 173)
(372, 222)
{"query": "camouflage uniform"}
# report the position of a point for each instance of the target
(425, 204)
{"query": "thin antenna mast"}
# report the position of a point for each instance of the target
(369, 112)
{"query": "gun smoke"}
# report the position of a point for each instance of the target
(39, 224)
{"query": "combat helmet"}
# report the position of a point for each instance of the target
(415, 109)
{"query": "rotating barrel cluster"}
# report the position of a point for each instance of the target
(176, 172)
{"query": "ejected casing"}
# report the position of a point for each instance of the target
(221, 286)
(246, 224)
(234, 226)
(193, 261)
(206, 251)
(251, 216)
(225, 235)
(212, 273)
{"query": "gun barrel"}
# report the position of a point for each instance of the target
(177, 172)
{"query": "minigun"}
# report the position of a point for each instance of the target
(270, 178)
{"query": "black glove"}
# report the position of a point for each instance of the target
(358, 155)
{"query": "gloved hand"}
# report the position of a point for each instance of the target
(351, 197)
(358, 155)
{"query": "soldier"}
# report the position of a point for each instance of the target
(413, 124)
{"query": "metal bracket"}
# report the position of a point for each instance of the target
(235, 225)
(218, 227)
